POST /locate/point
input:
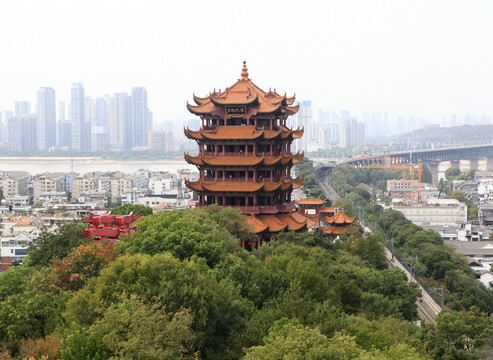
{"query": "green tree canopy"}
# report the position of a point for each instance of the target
(56, 244)
(128, 208)
(216, 307)
(132, 329)
(207, 233)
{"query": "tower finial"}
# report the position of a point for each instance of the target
(244, 72)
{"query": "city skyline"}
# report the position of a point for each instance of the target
(411, 58)
(124, 122)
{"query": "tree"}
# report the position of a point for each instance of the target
(217, 308)
(452, 173)
(48, 347)
(132, 329)
(83, 263)
(426, 176)
(458, 335)
(14, 280)
(56, 244)
(30, 315)
(459, 195)
(206, 233)
(288, 339)
(80, 345)
(128, 208)
(370, 249)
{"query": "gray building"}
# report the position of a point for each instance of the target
(46, 118)
(65, 134)
(120, 122)
(7, 115)
(81, 129)
(351, 133)
(23, 133)
(21, 108)
(140, 121)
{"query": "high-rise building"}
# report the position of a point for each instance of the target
(140, 121)
(14, 134)
(99, 125)
(303, 120)
(29, 129)
(162, 140)
(120, 122)
(89, 110)
(65, 134)
(100, 108)
(7, 115)
(21, 108)
(46, 118)
(351, 133)
(23, 133)
(81, 129)
(61, 111)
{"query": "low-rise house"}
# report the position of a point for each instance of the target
(485, 214)
(167, 201)
(475, 249)
(14, 249)
(132, 196)
(486, 277)
(17, 200)
(485, 186)
(140, 182)
(53, 198)
(441, 212)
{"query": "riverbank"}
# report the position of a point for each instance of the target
(81, 165)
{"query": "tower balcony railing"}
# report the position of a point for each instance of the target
(266, 209)
(268, 153)
(228, 179)
(275, 179)
(267, 127)
(209, 127)
(247, 153)
(238, 153)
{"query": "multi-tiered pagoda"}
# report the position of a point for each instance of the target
(245, 158)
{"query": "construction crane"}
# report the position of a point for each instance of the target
(404, 166)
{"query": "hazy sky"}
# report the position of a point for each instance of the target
(428, 58)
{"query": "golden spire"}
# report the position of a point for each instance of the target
(244, 72)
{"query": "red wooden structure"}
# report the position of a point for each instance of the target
(109, 227)
(245, 157)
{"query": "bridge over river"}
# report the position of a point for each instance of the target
(431, 157)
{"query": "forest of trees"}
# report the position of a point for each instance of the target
(435, 263)
(310, 185)
(181, 287)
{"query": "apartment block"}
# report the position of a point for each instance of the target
(15, 184)
(81, 186)
(118, 187)
(48, 183)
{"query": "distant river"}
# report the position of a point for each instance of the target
(38, 165)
